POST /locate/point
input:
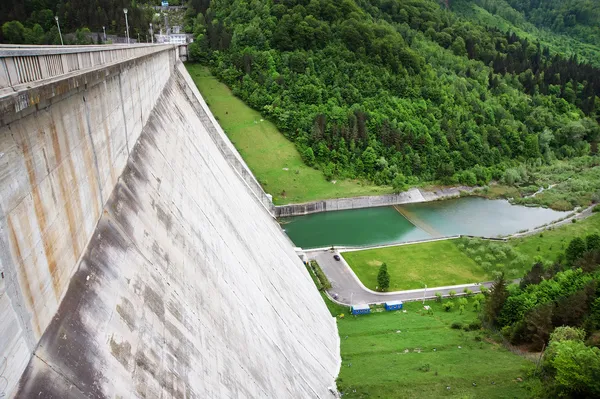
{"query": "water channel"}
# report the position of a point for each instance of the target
(470, 215)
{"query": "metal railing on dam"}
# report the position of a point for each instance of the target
(135, 258)
(26, 64)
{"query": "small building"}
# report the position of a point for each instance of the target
(361, 309)
(393, 305)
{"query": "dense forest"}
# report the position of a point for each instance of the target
(557, 309)
(32, 21)
(401, 91)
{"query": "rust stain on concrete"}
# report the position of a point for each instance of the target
(89, 166)
(70, 205)
(23, 273)
(47, 236)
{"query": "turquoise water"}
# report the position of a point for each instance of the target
(470, 216)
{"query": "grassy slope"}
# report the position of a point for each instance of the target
(267, 152)
(374, 362)
(448, 263)
(436, 264)
(555, 241)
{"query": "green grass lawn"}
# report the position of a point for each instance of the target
(435, 263)
(417, 355)
(465, 260)
(272, 158)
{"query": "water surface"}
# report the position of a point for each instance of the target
(470, 216)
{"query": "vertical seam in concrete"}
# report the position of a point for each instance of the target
(89, 129)
(123, 110)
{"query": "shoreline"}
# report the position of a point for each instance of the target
(414, 195)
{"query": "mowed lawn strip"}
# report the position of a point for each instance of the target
(436, 264)
(415, 354)
(272, 158)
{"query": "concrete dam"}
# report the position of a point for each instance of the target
(139, 257)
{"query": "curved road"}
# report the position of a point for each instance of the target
(347, 289)
(350, 291)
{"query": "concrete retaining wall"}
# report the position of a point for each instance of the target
(407, 197)
(138, 256)
(60, 158)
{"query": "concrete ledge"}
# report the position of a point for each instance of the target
(408, 197)
(23, 99)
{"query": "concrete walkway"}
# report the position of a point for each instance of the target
(347, 289)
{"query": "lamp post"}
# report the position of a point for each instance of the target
(151, 33)
(104, 31)
(59, 33)
(424, 292)
(126, 24)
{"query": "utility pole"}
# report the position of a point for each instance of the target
(104, 31)
(424, 292)
(126, 24)
(151, 33)
(59, 33)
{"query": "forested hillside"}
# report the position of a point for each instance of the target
(556, 307)
(32, 21)
(401, 91)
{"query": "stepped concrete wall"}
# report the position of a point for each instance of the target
(136, 261)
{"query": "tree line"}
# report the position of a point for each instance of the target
(400, 92)
(32, 21)
(556, 308)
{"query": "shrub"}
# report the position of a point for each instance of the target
(461, 308)
(468, 292)
(457, 325)
(476, 306)
(452, 293)
(438, 297)
(448, 306)
(424, 368)
(484, 289)
(462, 301)
(475, 325)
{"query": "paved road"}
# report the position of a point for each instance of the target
(350, 291)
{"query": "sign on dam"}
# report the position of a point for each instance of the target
(138, 258)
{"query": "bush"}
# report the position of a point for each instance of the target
(475, 325)
(457, 325)
(438, 297)
(452, 293)
(462, 301)
(448, 306)
(424, 368)
(468, 292)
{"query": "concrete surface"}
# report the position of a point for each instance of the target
(338, 204)
(137, 261)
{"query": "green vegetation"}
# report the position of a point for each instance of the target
(436, 264)
(401, 92)
(500, 15)
(466, 260)
(419, 354)
(272, 158)
(383, 278)
(567, 184)
(322, 281)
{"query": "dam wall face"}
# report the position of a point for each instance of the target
(58, 166)
(136, 261)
